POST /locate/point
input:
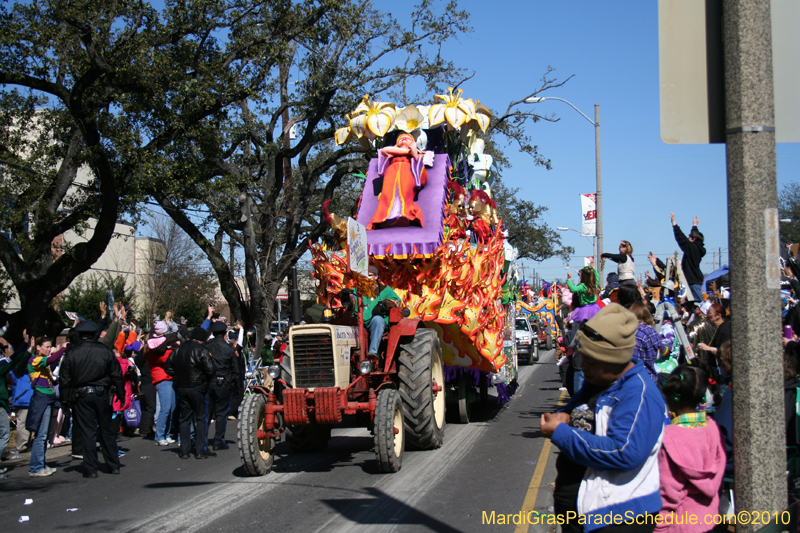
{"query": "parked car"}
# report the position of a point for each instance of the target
(527, 341)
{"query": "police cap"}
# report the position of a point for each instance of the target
(87, 327)
(218, 327)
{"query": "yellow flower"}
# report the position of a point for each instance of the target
(409, 119)
(372, 119)
(483, 116)
(342, 135)
(455, 110)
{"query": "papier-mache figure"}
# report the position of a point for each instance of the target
(484, 215)
(403, 170)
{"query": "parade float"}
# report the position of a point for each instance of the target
(427, 221)
(452, 266)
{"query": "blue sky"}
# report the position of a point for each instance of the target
(612, 49)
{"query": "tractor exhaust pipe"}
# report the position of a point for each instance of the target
(295, 294)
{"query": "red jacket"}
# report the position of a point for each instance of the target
(156, 360)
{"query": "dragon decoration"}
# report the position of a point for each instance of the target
(457, 290)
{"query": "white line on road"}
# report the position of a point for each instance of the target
(220, 500)
(420, 474)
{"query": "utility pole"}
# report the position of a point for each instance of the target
(599, 192)
(760, 451)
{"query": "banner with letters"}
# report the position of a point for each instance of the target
(588, 214)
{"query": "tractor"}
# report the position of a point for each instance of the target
(327, 374)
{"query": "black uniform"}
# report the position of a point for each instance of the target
(219, 393)
(90, 377)
(192, 371)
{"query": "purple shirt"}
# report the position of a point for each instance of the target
(647, 348)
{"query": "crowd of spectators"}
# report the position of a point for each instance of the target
(648, 367)
(42, 413)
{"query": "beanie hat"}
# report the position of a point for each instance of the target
(614, 335)
(199, 334)
(160, 328)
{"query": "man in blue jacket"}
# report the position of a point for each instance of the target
(612, 429)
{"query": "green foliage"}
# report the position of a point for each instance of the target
(789, 207)
(86, 293)
(94, 95)
(522, 219)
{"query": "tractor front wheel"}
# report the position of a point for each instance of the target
(389, 431)
(256, 454)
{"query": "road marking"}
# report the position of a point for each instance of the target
(223, 498)
(421, 473)
(533, 489)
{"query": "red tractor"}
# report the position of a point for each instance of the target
(326, 375)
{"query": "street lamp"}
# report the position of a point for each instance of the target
(591, 240)
(599, 196)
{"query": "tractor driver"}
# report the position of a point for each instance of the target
(376, 310)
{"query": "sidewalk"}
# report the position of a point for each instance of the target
(25, 457)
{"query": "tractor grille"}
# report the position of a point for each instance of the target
(313, 361)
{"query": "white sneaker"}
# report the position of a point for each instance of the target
(162, 443)
(562, 388)
(170, 440)
(44, 472)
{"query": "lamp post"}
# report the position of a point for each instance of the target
(592, 240)
(599, 195)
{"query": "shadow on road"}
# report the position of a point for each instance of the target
(384, 509)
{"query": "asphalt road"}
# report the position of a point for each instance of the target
(487, 465)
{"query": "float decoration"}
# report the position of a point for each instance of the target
(448, 265)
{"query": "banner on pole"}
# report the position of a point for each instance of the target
(589, 214)
(357, 247)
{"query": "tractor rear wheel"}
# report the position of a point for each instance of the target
(256, 454)
(389, 431)
(308, 439)
(421, 373)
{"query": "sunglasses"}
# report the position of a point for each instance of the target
(593, 335)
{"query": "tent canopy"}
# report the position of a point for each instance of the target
(716, 274)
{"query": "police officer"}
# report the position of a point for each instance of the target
(192, 371)
(219, 393)
(90, 376)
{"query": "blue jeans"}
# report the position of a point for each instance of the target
(697, 292)
(577, 381)
(5, 430)
(377, 325)
(166, 397)
(39, 446)
(577, 377)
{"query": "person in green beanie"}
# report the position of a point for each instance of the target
(610, 433)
